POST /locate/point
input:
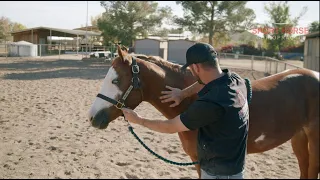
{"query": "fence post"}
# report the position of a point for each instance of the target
(285, 66)
(6, 48)
(270, 68)
(265, 66)
(276, 67)
(59, 49)
(252, 63)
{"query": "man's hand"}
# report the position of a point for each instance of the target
(174, 95)
(131, 116)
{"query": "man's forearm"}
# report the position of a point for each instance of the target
(192, 89)
(162, 126)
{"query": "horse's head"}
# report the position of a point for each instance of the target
(121, 87)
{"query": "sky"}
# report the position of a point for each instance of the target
(72, 14)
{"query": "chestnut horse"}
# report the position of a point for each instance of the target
(284, 106)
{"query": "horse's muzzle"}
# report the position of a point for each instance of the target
(101, 120)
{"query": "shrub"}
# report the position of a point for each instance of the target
(294, 49)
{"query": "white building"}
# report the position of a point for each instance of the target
(151, 47)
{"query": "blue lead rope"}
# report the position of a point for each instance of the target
(249, 97)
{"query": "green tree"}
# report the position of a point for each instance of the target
(125, 20)
(220, 39)
(94, 19)
(251, 43)
(4, 27)
(291, 41)
(265, 44)
(210, 17)
(176, 30)
(247, 37)
(161, 32)
(7, 26)
(17, 26)
(164, 32)
(280, 24)
(314, 27)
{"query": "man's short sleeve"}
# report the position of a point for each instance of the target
(201, 113)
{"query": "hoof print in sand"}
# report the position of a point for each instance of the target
(52, 148)
(122, 163)
(131, 176)
(54, 137)
(181, 169)
(164, 173)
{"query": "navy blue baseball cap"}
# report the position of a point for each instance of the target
(199, 53)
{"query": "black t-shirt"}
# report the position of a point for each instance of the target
(221, 115)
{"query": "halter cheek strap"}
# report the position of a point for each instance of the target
(135, 84)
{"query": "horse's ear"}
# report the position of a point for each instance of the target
(120, 52)
(123, 55)
(125, 48)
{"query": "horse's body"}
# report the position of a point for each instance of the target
(284, 106)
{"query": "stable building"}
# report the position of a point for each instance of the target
(177, 50)
(151, 47)
(43, 36)
(311, 51)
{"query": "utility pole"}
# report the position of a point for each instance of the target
(86, 31)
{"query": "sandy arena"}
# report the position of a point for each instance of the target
(44, 132)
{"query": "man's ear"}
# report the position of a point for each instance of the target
(196, 67)
(124, 56)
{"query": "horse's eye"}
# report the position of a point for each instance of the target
(115, 81)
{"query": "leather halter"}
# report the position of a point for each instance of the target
(135, 84)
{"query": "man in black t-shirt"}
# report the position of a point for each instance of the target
(221, 114)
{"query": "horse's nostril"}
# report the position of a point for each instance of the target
(91, 119)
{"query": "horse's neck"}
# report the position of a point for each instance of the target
(161, 77)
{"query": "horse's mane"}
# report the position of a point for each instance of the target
(167, 65)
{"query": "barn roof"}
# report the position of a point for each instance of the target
(161, 40)
(183, 40)
(313, 35)
(68, 31)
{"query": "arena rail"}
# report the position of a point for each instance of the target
(264, 64)
(255, 63)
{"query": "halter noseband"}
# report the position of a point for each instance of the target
(135, 84)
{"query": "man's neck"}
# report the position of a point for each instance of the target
(212, 75)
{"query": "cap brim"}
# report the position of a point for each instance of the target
(184, 67)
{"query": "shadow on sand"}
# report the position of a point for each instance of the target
(62, 69)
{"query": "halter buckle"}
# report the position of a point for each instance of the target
(137, 68)
(119, 105)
